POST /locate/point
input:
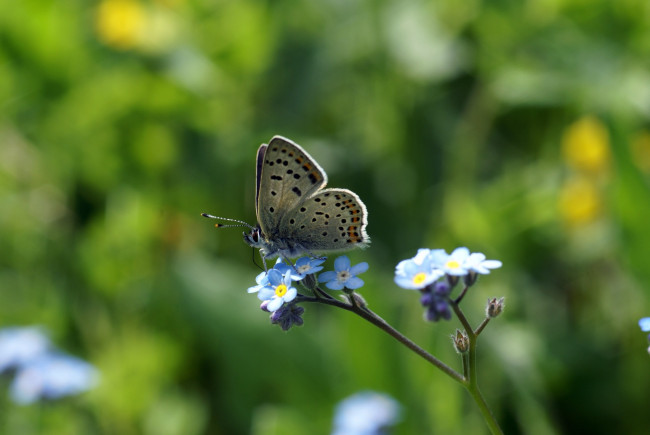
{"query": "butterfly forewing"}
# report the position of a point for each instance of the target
(286, 176)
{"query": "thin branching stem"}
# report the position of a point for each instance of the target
(376, 320)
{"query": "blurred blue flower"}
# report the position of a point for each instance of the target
(306, 266)
(19, 345)
(287, 316)
(344, 275)
(451, 264)
(417, 272)
(278, 291)
(365, 413)
(52, 376)
(644, 324)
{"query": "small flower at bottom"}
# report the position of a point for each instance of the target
(367, 413)
(278, 291)
(344, 275)
(52, 376)
(288, 316)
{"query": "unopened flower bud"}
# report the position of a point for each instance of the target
(461, 341)
(494, 307)
(470, 278)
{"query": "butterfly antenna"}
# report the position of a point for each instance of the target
(238, 223)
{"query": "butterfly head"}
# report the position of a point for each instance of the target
(254, 238)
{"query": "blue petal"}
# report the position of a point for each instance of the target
(354, 283)
(290, 295)
(327, 276)
(644, 323)
(317, 261)
(274, 304)
(405, 282)
(491, 264)
(342, 263)
(302, 261)
(265, 293)
(460, 254)
(275, 277)
(359, 268)
(334, 285)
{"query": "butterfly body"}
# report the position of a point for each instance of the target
(296, 215)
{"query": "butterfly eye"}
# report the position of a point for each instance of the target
(255, 235)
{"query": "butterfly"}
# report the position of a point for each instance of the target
(296, 215)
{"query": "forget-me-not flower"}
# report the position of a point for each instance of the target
(52, 376)
(344, 275)
(451, 264)
(417, 272)
(365, 413)
(306, 266)
(278, 291)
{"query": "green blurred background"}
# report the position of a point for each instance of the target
(516, 128)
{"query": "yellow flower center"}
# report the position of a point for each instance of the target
(281, 290)
(452, 264)
(419, 278)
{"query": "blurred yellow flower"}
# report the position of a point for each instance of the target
(120, 23)
(585, 146)
(640, 149)
(579, 202)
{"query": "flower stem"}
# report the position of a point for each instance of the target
(470, 369)
(376, 320)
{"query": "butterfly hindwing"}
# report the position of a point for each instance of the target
(329, 220)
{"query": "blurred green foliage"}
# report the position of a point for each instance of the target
(518, 129)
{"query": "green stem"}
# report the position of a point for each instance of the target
(373, 318)
(470, 368)
(469, 380)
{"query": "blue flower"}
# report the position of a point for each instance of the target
(476, 262)
(451, 264)
(52, 376)
(343, 275)
(21, 345)
(278, 291)
(365, 413)
(644, 324)
(306, 266)
(287, 316)
(417, 272)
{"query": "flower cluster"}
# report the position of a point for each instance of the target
(40, 371)
(424, 272)
(276, 291)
